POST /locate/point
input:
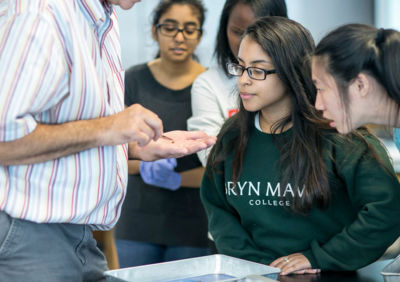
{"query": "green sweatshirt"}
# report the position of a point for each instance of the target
(254, 221)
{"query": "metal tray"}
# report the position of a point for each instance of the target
(200, 269)
(391, 272)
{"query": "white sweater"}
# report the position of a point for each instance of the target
(214, 100)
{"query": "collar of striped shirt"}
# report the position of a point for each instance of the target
(96, 10)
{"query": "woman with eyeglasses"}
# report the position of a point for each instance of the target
(162, 218)
(281, 187)
(213, 100)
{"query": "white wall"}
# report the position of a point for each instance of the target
(319, 16)
(387, 14)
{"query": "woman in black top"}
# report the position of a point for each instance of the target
(162, 217)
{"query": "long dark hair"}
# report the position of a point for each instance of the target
(260, 8)
(355, 48)
(287, 43)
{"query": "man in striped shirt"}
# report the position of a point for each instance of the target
(64, 136)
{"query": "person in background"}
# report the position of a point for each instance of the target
(359, 84)
(64, 137)
(281, 187)
(213, 99)
(163, 218)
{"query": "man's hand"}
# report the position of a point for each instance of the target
(134, 124)
(183, 143)
(295, 263)
(48, 142)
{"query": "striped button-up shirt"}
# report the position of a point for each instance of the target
(60, 62)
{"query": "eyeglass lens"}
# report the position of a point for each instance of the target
(253, 72)
(238, 70)
(189, 32)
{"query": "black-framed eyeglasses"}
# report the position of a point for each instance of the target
(171, 30)
(253, 72)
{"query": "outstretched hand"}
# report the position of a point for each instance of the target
(295, 263)
(178, 143)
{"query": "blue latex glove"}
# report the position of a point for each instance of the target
(161, 173)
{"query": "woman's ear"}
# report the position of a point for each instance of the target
(154, 33)
(361, 85)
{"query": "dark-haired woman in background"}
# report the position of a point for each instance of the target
(281, 187)
(356, 71)
(213, 100)
(162, 218)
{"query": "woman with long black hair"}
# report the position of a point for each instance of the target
(282, 187)
(213, 98)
